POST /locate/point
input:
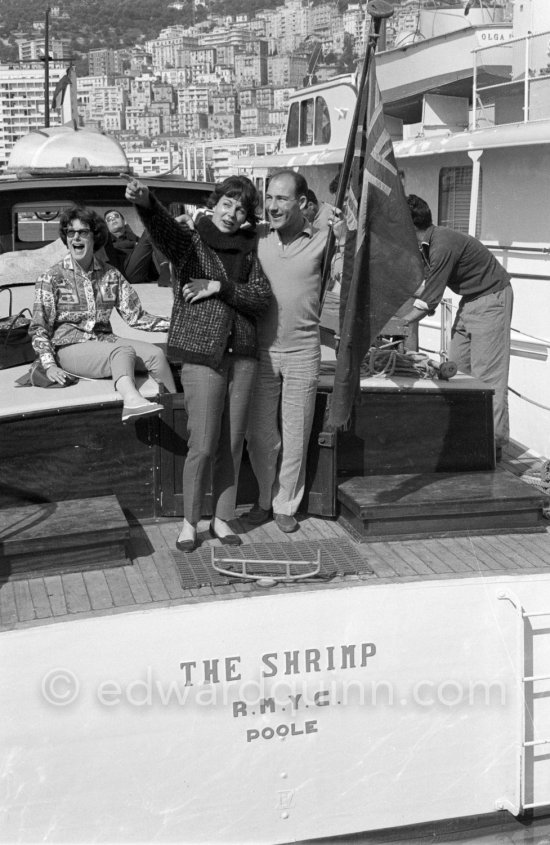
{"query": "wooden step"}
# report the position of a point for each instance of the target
(441, 503)
(59, 537)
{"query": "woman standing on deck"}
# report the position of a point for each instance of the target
(70, 327)
(219, 290)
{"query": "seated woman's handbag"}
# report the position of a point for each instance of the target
(36, 377)
(15, 340)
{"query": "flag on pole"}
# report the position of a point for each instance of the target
(60, 89)
(382, 262)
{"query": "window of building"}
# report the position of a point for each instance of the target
(455, 186)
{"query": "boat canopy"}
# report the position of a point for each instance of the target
(65, 151)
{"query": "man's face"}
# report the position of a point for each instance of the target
(310, 211)
(115, 223)
(284, 208)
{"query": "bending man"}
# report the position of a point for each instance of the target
(480, 338)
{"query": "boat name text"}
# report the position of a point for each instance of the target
(328, 659)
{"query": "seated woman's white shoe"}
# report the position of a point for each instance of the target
(148, 409)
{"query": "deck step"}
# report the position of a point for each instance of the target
(440, 503)
(60, 537)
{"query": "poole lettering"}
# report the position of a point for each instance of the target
(282, 730)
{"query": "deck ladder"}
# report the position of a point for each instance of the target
(519, 804)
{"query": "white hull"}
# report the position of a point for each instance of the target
(424, 723)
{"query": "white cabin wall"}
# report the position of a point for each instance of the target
(516, 195)
(531, 16)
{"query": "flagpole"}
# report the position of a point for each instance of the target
(47, 69)
(379, 10)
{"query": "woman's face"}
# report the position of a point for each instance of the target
(229, 215)
(80, 240)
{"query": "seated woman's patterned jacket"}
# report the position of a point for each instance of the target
(199, 332)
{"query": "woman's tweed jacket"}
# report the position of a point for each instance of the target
(199, 331)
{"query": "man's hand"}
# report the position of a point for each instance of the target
(138, 193)
(414, 315)
(197, 289)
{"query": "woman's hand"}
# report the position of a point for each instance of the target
(55, 373)
(187, 219)
(138, 193)
(197, 289)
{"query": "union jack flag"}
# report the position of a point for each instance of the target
(382, 263)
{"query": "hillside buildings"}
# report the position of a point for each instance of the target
(198, 88)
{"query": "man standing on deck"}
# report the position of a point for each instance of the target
(290, 249)
(480, 337)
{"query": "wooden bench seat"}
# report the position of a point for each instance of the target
(60, 537)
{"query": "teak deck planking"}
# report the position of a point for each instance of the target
(151, 578)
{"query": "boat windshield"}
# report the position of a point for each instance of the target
(308, 123)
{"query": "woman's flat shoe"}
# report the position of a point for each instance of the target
(228, 539)
(147, 410)
(187, 545)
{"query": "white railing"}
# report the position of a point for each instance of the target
(518, 68)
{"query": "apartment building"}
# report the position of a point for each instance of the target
(109, 99)
(113, 122)
(22, 98)
(224, 125)
(35, 49)
(143, 122)
(224, 101)
(194, 99)
(286, 71)
(141, 92)
(250, 69)
(204, 56)
(193, 124)
(253, 120)
(154, 160)
(228, 36)
(104, 62)
(165, 51)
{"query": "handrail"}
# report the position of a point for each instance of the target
(544, 250)
(525, 79)
(518, 804)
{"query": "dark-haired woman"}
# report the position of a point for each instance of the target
(219, 291)
(71, 330)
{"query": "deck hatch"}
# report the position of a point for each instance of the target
(338, 558)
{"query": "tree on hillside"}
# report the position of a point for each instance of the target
(347, 59)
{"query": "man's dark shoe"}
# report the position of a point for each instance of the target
(286, 523)
(258, 515)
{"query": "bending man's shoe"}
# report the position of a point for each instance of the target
(258, 515)
(285, 522)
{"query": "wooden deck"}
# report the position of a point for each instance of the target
(152, 579)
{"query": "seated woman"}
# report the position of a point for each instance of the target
(220, 288)
(71, 330)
